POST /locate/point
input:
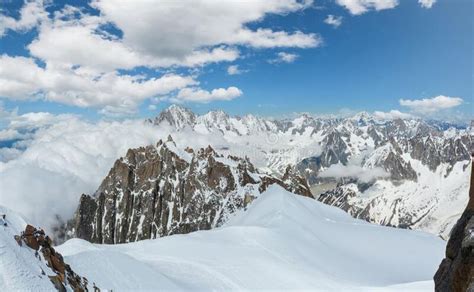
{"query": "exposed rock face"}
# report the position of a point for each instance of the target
(160, 190)
(456, 271)
(37, 240)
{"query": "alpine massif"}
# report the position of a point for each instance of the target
(408, 173)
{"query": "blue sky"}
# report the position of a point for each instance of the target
(369, 62)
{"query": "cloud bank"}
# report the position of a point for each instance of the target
(431, 105)
(353, 171)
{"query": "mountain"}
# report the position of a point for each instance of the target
(160, 190)
(280, 242)
(407, 173)
(456, 271)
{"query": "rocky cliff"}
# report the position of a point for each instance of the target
(161, 190)
(456, 271)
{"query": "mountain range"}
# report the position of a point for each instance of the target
(407, 173)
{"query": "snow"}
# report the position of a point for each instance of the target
(434, 200)
(282, 241)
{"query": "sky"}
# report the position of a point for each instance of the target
(104, 59)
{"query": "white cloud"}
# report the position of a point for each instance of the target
(81, 61)
(283, 57)
(431, 105)
(21, 78)
(200, 95)
(358, 7)
(353, 171)
(7, 154)
(234, 70)
(200, 38)
(335, 21)
(72, 40)
(9, 134)
(391, 115)
(31, 14)
(427, 3)
(202, 23)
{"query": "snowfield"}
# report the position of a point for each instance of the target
(282, 241)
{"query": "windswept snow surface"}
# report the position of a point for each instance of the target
(282, 241)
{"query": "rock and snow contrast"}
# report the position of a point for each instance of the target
(160, 190)
(28, 262)
(405, 173)
(240, 214)
(456, 271)
(282, 241)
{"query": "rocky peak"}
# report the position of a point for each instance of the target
(154, 191)
(176, 116)
(295, 182)
(388, 157)
(362, 118)
(335, 149)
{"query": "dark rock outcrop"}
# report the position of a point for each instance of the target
(159, 190)
(37, 240)
(456, 271)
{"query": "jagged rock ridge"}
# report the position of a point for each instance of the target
(160, 190)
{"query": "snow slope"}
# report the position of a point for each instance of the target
(282, 241)
(19, 268)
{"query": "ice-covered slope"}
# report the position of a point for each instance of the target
(282, 241)
(20, 270)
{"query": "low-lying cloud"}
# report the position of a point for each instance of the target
(354, 171)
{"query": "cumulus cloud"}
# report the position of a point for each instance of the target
(7, 154)
(31, 14)
(391, 115)
(86, 67)
(9, 134)
(335, 21)
(283, 57)
(234, 70)
(353, 171)
(357, 7)
(431, 105)
(202, 23)
(200, 95)
(427, 3)
(21, 78)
